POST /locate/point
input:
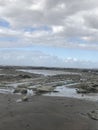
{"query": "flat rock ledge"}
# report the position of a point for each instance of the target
(93, 114)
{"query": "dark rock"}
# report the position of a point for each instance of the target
(20, 90)
(17, 90)
(24, 91)
(93, 114)
(81, 91)
(25, 76)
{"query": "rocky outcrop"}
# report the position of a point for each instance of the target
(20, 90)
(43, 89)
(93, 114)
(88, 88)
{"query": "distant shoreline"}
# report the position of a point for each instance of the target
(46, 68)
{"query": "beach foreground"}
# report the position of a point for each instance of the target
(46, 113)
(48, 99)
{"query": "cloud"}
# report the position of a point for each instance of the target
(27, 57)
(77, 63)
(65, 19)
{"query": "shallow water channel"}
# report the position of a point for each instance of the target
(47, 72)
(62, 91)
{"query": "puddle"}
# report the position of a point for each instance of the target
(47, 72)
(6, 91)
(64, 91)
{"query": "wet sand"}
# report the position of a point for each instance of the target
(46, 113)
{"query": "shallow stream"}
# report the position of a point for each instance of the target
(62, 91)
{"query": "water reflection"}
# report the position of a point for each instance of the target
(64, 91)
(47, 72)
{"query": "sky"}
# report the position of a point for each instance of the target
(52, 33)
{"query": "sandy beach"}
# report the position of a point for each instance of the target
(46, 113)
(50, 107)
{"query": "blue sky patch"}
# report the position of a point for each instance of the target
(6, 39)
(76, 40)
(39, 28)
(4, 23)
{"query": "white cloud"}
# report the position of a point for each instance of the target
(66, 18)
(37, 5)
(33, 58)
(57, 29)
(38, 58)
